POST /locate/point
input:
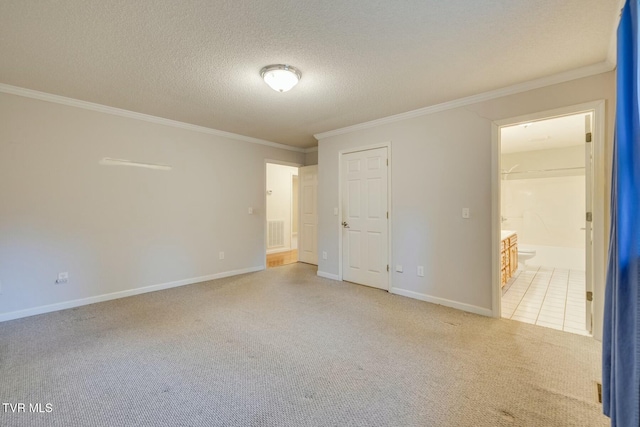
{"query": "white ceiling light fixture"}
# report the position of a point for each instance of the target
(280, 77)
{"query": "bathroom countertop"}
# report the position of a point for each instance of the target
(506, 233)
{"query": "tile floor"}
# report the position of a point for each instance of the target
(550, 297)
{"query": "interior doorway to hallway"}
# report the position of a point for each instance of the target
(282, 214)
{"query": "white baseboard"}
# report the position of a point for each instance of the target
(328, 275)
(121, 294)
(442, 301)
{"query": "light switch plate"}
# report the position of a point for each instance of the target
(250, 211)
(335, 211)
(324, 255)
(420, 271)
(221, 255)
(465, 213)
(398, 268)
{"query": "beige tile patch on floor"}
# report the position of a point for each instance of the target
(547, 296)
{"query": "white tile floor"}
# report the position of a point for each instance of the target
(550, 297)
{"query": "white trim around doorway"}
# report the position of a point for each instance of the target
(264, 188)
(599, 159)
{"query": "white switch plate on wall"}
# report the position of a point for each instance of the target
(250, 211)
(399, 268)
(221, 255)
(420, 271)
(465, 212)
(335, 211)
(62, 278)
(324, 254)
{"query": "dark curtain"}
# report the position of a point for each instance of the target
(621, 337)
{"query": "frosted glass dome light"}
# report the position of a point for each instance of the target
(279, 77)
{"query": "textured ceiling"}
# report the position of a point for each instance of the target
(198, 61)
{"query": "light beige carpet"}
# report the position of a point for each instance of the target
(283, 347)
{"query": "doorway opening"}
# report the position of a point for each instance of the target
(545, 214)
(282, 214)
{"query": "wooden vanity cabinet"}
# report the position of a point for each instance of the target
(509, 257)
(513, 253)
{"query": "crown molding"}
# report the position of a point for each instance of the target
(311, 149)
(43, 96)
(566, 76)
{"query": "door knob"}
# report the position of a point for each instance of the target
(345, 225)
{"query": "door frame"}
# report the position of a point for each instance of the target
(298, 210)
(386, 145)
(264, 190)
(300, 238)
(598, 191)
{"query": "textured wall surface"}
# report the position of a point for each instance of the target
(441, 163)
(118, 228)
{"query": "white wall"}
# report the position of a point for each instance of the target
(117, 229)
(555, 158)
(311, 158)
(548, 214)
(441, 163)
(547, 209)
(279, 202)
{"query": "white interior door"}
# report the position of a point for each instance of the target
(308, 232)
(588, 222)
(365, 225)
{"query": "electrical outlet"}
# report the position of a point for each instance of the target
(465, 213)
(221, 255)
(398, 268)
(250, 211)
(420, 271)
(335, 211)
(62, 278)
(324, 255)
